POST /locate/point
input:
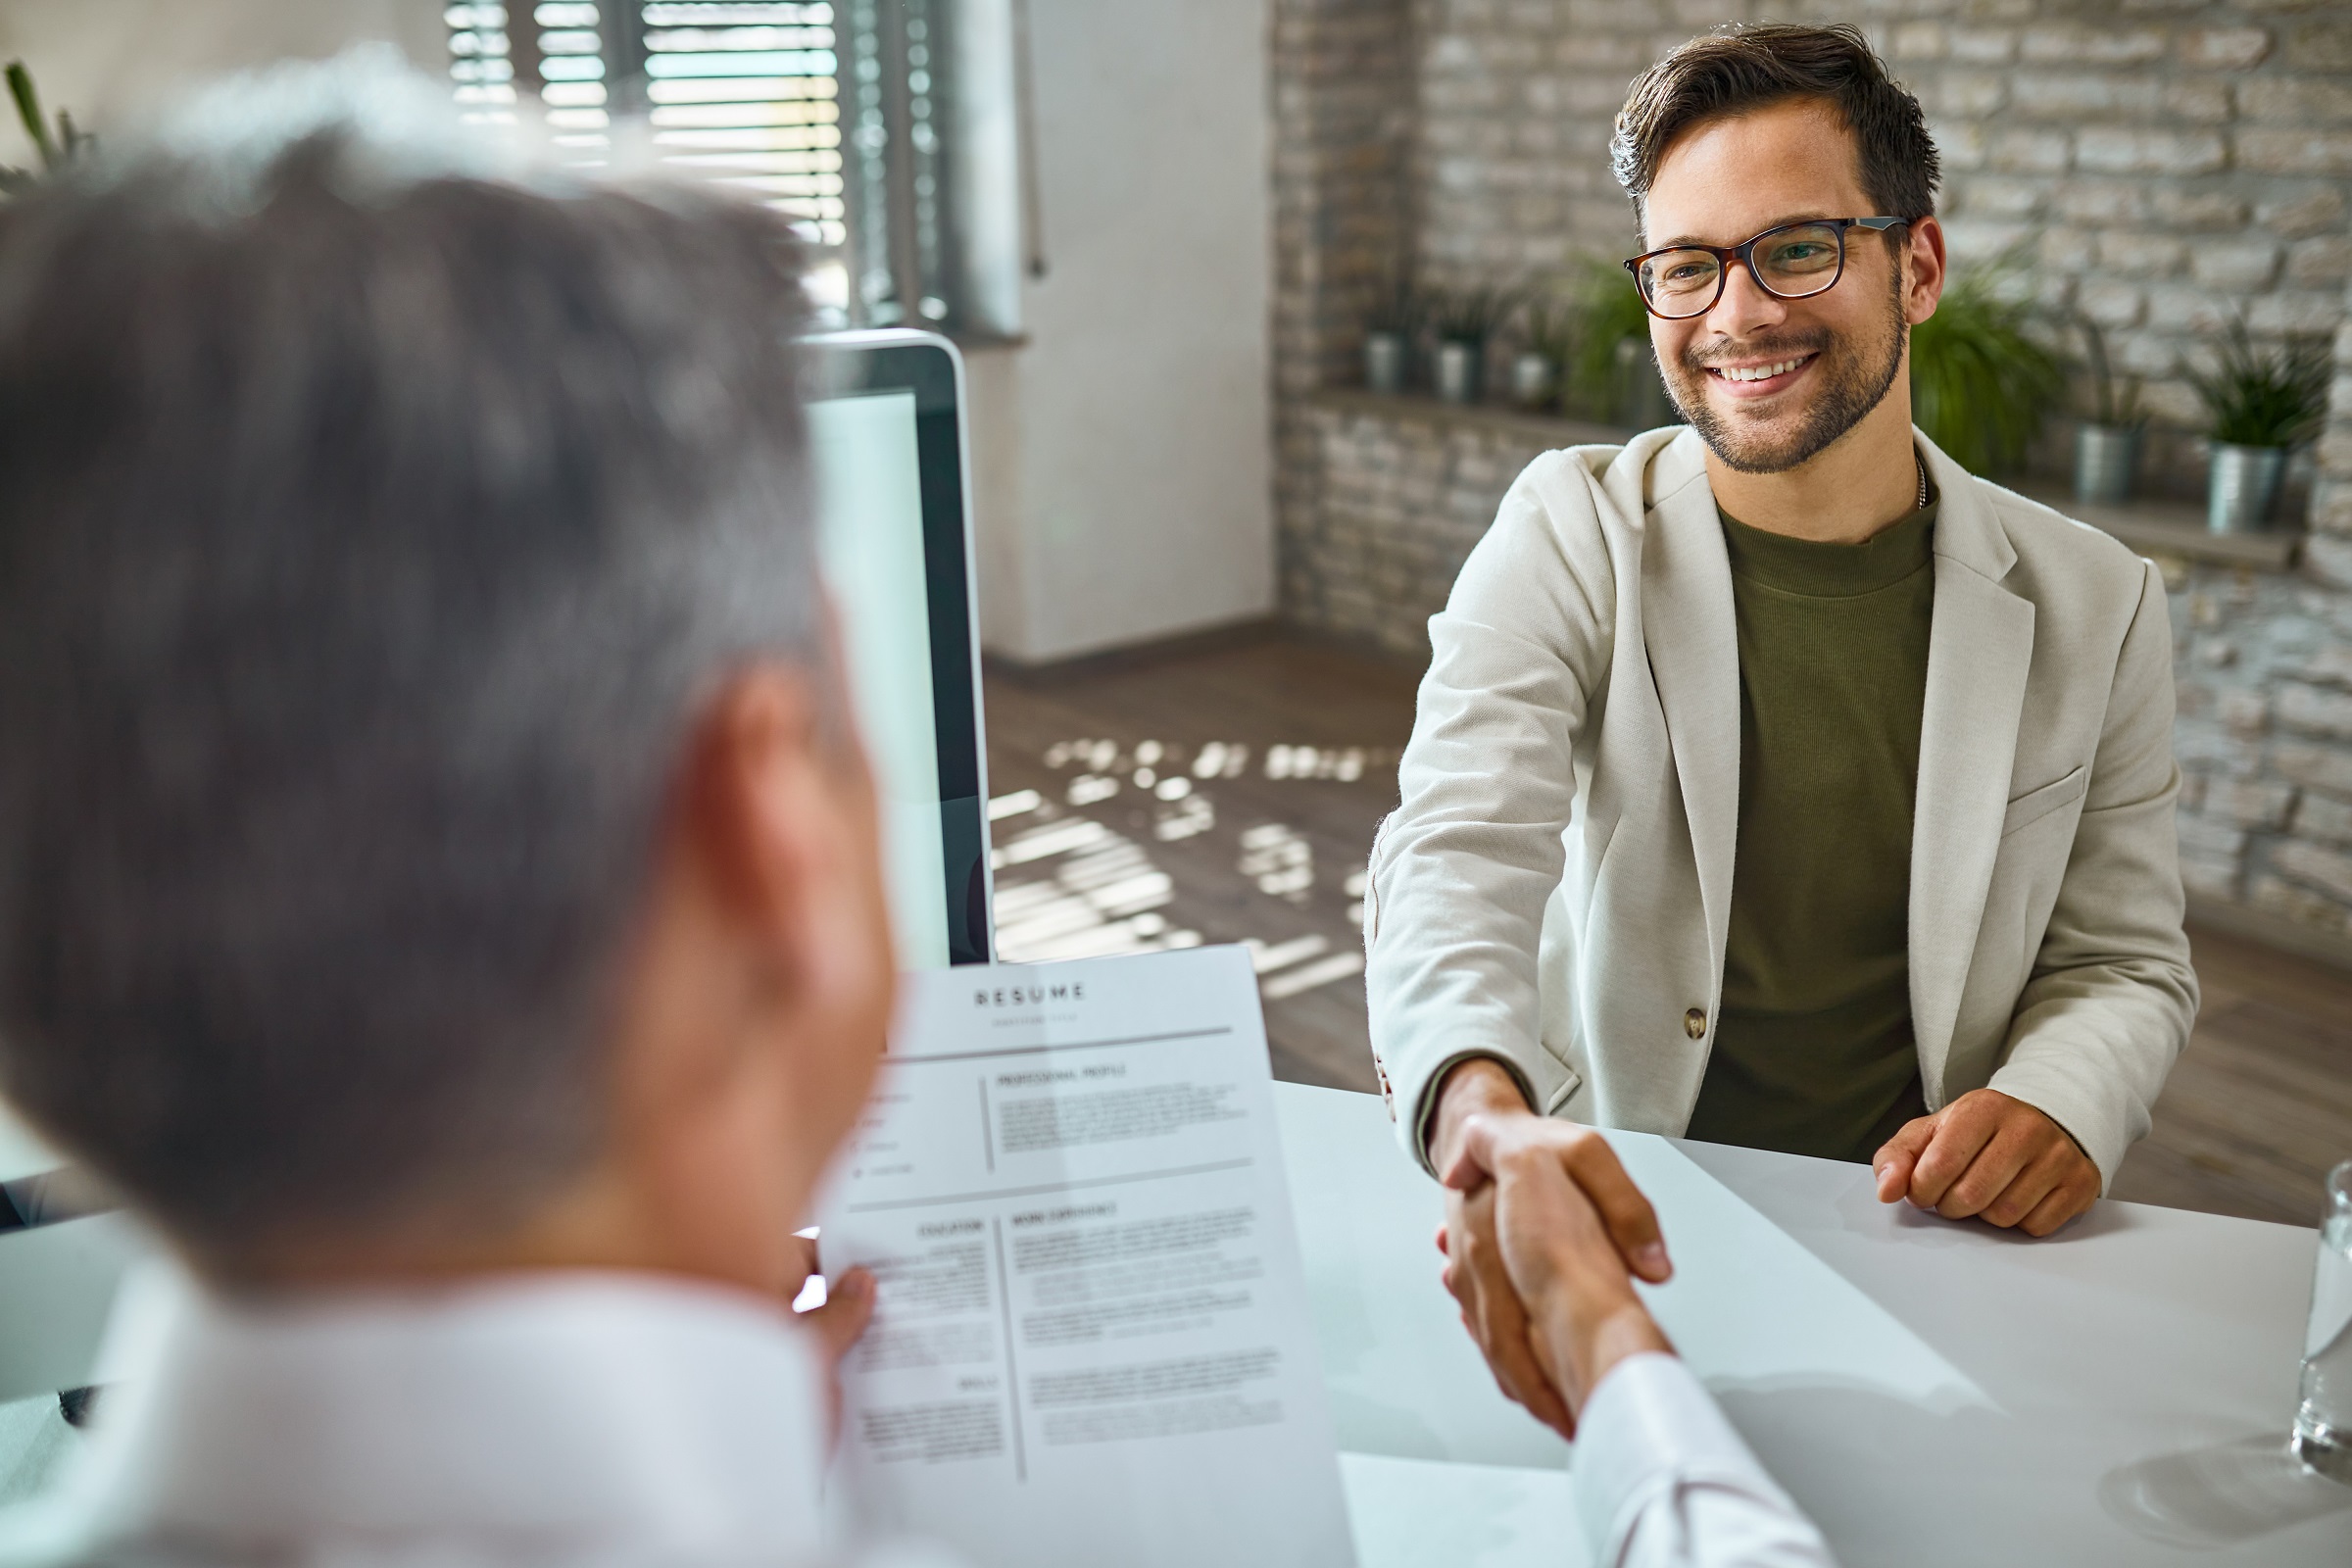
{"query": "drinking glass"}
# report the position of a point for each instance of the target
(2324, 1420)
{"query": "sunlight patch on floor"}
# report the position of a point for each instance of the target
(1103, 895)
(1070, 886)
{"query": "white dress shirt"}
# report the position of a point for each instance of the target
(565, 1418)
(605, 1419)
(1663, 1481)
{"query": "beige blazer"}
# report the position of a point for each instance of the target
(1555, 887)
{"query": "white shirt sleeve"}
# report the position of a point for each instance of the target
(1663, 1481)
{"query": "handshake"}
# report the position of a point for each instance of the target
(1544, 1232)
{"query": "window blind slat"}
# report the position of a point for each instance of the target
(742, 95)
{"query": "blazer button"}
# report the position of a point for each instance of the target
(1694, 1023)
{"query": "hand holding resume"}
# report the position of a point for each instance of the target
(1091, 1340)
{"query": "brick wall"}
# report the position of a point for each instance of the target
(1342, 93)
(2167, 161)
(2263, 674)
(1400, 495)
(1342, 99)
(2263, 678)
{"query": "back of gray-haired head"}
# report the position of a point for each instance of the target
(368, 539)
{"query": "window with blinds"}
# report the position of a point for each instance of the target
(836, 114)
(738, 92)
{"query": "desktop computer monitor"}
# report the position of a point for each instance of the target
(886, 432)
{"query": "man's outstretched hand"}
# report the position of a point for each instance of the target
(1559, 1260)
(1992, 1157)
(1476, 1270)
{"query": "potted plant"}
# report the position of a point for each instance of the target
(70, 142)
(1982, 386)
(2107, 444)
(1551, 334)
(1467, 320)
(1389, 335)
(1613, 377)
(2261, 402)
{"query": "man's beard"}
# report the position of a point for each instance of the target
(1851, 385)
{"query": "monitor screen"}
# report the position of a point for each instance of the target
(885, 435)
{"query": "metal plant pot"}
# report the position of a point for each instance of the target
(1461, 371)
(1533, 376)
(2242, 485)
(2106, 462)
(1384, 362)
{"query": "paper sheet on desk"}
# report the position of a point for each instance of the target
(1091, 1340)
(1428, 1513)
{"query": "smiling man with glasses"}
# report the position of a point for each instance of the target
(1777, 782)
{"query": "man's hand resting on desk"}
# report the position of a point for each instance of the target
(1989, 1156)
(1528, 1156)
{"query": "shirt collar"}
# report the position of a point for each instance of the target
(537, 1412)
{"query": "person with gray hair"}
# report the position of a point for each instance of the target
(439, 881)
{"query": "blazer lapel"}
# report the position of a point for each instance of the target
(1691, 632)
(1980, 649)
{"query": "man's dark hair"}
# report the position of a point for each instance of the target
(1738, 70)
(369, 539)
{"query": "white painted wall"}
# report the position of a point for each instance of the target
(117, 61)
(1122, 462)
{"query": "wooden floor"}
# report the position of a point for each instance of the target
(1225, 796)
(2259, 1106)
(1229, 793)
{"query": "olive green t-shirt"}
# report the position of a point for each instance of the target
(1813, 1051)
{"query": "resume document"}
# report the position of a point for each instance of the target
(1091, 1340)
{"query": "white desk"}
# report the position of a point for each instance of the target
(1932, 1393)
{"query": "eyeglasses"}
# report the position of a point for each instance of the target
(1792, 261)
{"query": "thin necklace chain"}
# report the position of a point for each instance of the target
(1920, 465)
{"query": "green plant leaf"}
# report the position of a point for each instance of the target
(1400, 308)
(1611, 312)
(29, 111)
(1982, 386)
(2273, 397)
(1470, 314)
(2114, 396)
(1554, 327)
